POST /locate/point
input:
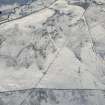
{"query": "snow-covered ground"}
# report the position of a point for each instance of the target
(60, 46)
(53, 97)
(17, 48)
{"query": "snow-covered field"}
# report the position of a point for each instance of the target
(60, 46)
(53, 51)
(53, 97)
